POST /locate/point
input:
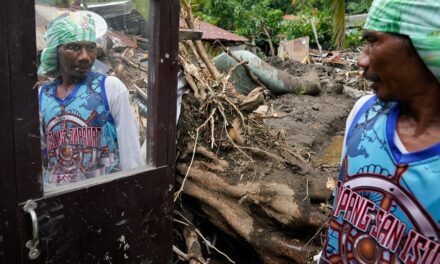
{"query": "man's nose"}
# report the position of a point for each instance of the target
(363, 60)
(84, 56)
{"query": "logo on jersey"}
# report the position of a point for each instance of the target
(73, 148)
(366, 227)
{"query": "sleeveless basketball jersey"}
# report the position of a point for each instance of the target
(79, 132)
(387, 204)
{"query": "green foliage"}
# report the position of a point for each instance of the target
(285, 5)
(354, 39)
(218, 12)
(252, 20)
(307, 7)
(302, 27)
(143, 7)
(249, 18)
(358, 6)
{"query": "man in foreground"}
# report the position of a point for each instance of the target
(387, 202)
(87, 124)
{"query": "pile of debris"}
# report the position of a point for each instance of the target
(250, 181)
(247, 161)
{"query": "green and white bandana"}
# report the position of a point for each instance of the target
(418, 19)
(66, 28)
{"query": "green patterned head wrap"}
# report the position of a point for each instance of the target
(66, 28)
(418, 19)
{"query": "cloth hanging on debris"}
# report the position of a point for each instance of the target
(66, 28)
(418, 19)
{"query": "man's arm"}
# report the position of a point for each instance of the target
(125, 122)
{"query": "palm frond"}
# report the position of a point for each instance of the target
(338, 10)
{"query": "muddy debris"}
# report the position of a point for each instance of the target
(249, 168)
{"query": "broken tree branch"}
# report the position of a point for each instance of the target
(180, 253)
(206, 241)
(193, 246)
(199, 45)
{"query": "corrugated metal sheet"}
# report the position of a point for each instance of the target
(211, 32)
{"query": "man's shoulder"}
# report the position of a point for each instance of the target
(113, 80)
(114, 83)
(114, 88)
(48, 84)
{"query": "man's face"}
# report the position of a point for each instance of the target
(392, 64)
(76, 58)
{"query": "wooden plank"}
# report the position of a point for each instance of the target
(9, 241)
(24, 97)
(162, 100)
(190, 34)
(162, 80)
(117, 222)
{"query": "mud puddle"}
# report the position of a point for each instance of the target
(332, 153)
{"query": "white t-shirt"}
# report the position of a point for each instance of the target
(125, 122)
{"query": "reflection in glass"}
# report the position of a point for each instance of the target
(93, 73)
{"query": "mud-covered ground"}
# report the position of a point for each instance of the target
(307, 124)
(311, 121)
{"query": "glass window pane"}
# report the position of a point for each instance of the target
(93, 76)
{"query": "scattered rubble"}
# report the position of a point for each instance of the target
(248, 160)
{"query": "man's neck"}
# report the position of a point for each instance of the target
(424, 108)
(66, 86)
(418, 125)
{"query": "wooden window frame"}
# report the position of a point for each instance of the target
(20, 160)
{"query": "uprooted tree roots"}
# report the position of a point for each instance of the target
(249, 183)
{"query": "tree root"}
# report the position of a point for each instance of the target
(276, 199)
(255, 231)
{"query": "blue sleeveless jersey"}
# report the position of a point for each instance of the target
(79, 132)
(387, 204)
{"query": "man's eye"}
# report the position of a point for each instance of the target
(91, 46)
(74, 47)
(371, 39)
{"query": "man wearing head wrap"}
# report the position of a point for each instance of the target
(387, 203)
(88, 127)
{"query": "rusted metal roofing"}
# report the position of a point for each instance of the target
(211, 32)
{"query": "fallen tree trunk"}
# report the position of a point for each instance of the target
(272, 246)
(278, 200)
